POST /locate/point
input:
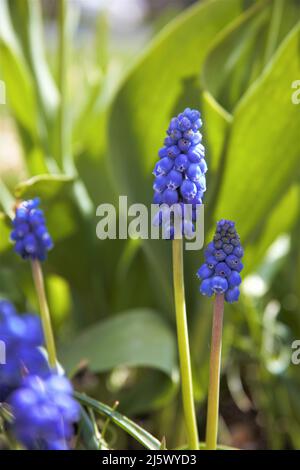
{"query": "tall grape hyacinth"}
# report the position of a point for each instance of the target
(179, 187)
(30, 234)
(180, 172)
(44, 412)
(220, 274)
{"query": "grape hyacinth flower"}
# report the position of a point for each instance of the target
(180, 172)
(220, 275)
(179, 186)
(32, 241)
(44, 412)
(23, 339)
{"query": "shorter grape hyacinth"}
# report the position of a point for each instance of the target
(180, 172)
(44, 413)
(23, 338)
(220, 274)
(30, 234)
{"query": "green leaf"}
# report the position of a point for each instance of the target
(265, 127)
(29, 18)
(149, 95)
(280, 221)
(152, 391)
(138, 433)
(45, 186)
(235, 52)
(137, 338)
(242, 49)
(87, 433)
(16, 74)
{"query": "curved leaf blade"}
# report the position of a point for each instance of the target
(138, 433)
(45, 186)
(137, 338)
(262, 158)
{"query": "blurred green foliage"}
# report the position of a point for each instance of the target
(89, 130)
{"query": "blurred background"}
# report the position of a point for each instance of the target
(90, 86)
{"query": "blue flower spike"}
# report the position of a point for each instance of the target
(180, 172)
(220, 274)
(44, 412)
(30, 234)
(32, 242)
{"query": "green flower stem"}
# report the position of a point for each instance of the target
(44, 309)
(214, 374)
(183, 346)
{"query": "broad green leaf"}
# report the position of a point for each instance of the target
(137, 338)
(138, 433)
(16, 74)
(280, 221)
(285, 15)
(29, 25)
(240, 50)
(149, 95)
(234, 52)
(45, 186)
(217, 122)
(262, 157)
(152, 390)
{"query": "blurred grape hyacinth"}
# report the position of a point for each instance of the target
(23, 338)
(44, 412)
(220, 274)
(30, 234)
(180, 172)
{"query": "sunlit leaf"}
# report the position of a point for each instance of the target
(16, 74)
(265, 128)
(137, 338)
